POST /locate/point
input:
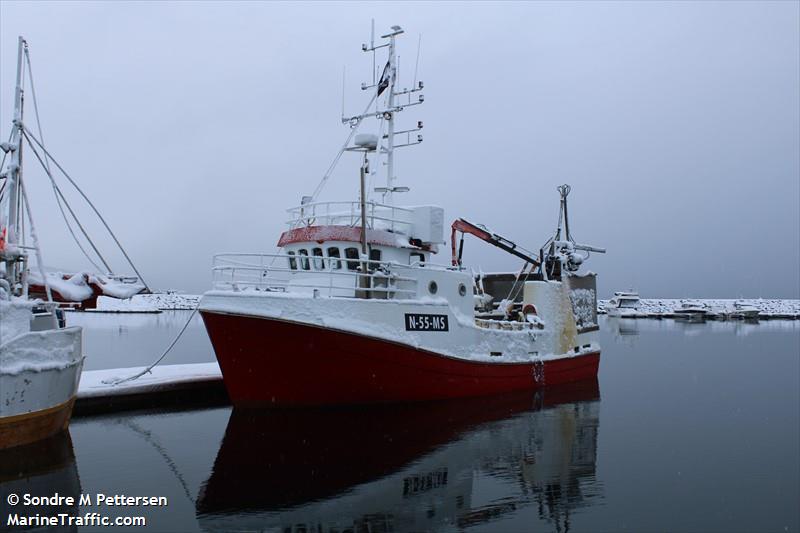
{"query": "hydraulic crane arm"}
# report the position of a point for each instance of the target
(492, 238)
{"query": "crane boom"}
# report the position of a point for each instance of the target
(483, 234)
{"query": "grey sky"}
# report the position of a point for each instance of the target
(193, 126)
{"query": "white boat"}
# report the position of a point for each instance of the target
(624, 305)
(692, 311)
(40, 367)
(40, 358)
(354, 308)
(743, 311)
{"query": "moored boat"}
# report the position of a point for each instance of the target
(353, 309)
(743, 311)
(624, 304)
(40, 357)
(40, 367)
(692, 311)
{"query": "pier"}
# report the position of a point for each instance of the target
(187, 385)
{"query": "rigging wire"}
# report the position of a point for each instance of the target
(416, 65)
(29, 135)
(57, 192)
(353, 129)
(35, 240)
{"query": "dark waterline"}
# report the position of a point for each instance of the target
(690, 427)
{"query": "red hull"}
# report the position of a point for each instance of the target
(273, 362)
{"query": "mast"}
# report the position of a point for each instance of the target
(389, 115)
(14, 176)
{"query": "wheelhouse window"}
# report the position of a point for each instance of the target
(374, 255)
(334, 255)
(292, 261)
(319, 263)
(351, 253)
(304, 264)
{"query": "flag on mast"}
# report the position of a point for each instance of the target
(384, 81)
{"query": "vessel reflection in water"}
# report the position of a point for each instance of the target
(416, 467)
(43, 468)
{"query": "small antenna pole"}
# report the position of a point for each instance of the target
(344, 73)
(416, 65)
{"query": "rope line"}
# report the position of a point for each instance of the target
(56, 192)
(35, 239)
(332, 166)
(29, 135)
(161, 358)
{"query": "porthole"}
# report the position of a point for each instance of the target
(433, 287)
(462, 289)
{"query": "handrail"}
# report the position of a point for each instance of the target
(427, 265)
(344, 202)
(350, 215)
(261, 271)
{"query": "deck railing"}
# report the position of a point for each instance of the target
(379, 216)
(323, 276)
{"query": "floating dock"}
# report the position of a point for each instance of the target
(164, 386)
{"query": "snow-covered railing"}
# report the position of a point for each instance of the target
(322, 276)
(379, 216)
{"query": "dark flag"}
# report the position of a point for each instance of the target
(384, 81)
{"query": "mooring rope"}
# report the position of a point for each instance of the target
(157, 361)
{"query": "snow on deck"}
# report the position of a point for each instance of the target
(767, 308)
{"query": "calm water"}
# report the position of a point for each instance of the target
(690, 427)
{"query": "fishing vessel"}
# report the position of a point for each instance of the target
(354, 309)
(40, 357)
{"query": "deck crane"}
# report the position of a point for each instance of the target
(555, 252)
(484, 234)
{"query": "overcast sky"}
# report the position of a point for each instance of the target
(194, 126)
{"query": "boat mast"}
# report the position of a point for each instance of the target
(389, 116)
(13, 177)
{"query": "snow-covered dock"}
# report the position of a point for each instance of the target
(717, 308)
(147, 303)
(186, 384)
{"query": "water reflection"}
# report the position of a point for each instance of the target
(625, 330)
(420, 467)
(41, 469)
(120, 340)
